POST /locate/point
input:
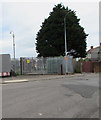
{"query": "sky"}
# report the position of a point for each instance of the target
(25, 17)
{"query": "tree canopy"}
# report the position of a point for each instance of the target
(50, 40)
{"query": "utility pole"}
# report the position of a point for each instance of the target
(66, 56)
(13, 36)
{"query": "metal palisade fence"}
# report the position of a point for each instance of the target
(43, 65)
(33, 65)
(15, 63)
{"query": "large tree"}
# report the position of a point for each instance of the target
(50, 38)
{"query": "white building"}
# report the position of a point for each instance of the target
(94, 53)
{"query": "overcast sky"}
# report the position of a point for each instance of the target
(25, 18)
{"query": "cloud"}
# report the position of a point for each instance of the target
(25, 18)
(88, 12)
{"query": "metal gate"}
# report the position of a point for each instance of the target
(33, 65)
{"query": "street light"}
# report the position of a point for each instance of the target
(13, 47)
(65, 34)
(65, 42)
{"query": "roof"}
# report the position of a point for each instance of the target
(91, 50)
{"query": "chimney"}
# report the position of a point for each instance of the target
(91, 47)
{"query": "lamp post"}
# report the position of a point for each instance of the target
(65, 42)
(13, 36)
(65, 34)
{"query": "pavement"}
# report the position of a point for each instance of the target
(51, 96)
(27, 78)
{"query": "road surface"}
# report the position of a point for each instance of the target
(67, 96)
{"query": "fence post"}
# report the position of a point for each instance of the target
(61, 69)
(81, 66)
(21, 66)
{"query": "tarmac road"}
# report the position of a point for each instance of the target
(69, 96)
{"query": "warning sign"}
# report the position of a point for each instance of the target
(66, 57)
(28, 61)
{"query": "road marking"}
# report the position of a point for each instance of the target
(15, 81)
